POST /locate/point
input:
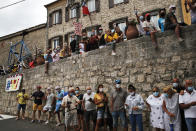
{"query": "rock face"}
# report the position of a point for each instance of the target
(136, 62)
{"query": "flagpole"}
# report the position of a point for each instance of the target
(77, 37)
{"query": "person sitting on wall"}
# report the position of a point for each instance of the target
(150, 29)
(62, 53)
(192, 9)
(140, 20)
(93, 41)
(161, 20)
(110, 39)
(102, 42)
(48, 59)
(55, 54)
(22, 97)
(171, 22)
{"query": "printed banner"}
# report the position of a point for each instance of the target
(13, 83)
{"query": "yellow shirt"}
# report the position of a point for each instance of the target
(99, 98)
(108, 38)
(62, 53)
(116, 36)
(21, 98)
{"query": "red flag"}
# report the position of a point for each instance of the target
(85, 10)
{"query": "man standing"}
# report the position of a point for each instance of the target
(171, 22)
(73, 44)
(38, 96)
(177, 86)
(59, 98)
(89, 108)
(50, 99)
(118, 98)
(70, 104)
(21, 98)
(188, 104)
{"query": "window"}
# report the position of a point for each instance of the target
(118, 1)
(56, 43)
(56, 18)
(91, 5)
(73, 13)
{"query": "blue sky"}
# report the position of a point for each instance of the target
(21, 16)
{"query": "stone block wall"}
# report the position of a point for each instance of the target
(136, 62)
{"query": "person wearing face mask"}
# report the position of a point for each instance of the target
(188, 104)
(118, 98)
(172, 119)
(154, 102)
(140, 20)
(180, 89)
(150, 29)
(102, 42)
(80, 111)
(70, 103)
(161, 20)
(101, 101)
(89, 108)
(171, 22)
(93, 41)
(135, 104)
(192, 10)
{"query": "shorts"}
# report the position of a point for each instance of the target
(101, 114)
(47, 108)
(71, 119)
(148, 33)
(21, 106)
(90, 115)
(58, 106)
(80, 112)
(37, 107)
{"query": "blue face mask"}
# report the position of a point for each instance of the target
(156, 94)
(175, 84)
(71, 94)
(76, 92)
(166, 95)
(190, 88)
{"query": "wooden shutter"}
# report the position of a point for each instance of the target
(66, 14)
(97, 5)
(126, 1)
(61, 41)
(66, 38)
(49, 43)
(60, 16)
(78, 11)
(111, 3)
(50, 20)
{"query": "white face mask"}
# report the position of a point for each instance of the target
(88, 91)
(175, 84)
(101, 89)
(132, 93)
(118, 86)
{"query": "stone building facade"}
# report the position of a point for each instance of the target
(35, 37)
(62, 14)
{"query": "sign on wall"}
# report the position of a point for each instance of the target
(13, 83)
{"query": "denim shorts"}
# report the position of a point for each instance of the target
(58, 106)
(147, 33)
(101, 114)
(21, 106)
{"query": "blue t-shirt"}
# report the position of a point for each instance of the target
(65, 93)
(60, 95)
(48, 58)
(161, 22)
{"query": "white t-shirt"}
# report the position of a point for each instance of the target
(49, 99)
(81, 46)
(56, 58)
(140, 28)
(149, 25)
(89, 106)
(73, 102)
(188, 98)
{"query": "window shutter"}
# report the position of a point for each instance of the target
(111, 3)
(66, 14)
(78, 12)
(97, 5)
(50, 20)
(126, 1)
(66, 38)
(61, 41)
(60, 16)
(49, 43)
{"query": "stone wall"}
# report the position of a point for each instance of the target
(36, 37)
(136, 62)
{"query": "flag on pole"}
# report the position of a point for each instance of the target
(85, 9)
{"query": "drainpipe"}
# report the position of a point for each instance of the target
(180, 12)
(47, 28)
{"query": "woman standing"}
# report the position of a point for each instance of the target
(172, 117)
(101, 100)
(155, 102)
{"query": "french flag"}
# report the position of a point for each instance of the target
(85, 9)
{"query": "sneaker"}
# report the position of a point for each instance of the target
(46, 122)
(180, 39)
(113, 53)
(32, 121)
(58, 124)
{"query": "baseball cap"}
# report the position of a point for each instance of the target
(57, 87)
(172, 6)
(118, 81)
(48, 88)
(147, 14)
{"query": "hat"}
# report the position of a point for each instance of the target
(147, 14)
(141, 17)
(71, 89)
(57, 88)
(100, 28)
(48, 88)
(172, 6)
(118, 81)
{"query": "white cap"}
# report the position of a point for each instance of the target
(71, 89)
(57, 87)
(172, 6)
(48, 88)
